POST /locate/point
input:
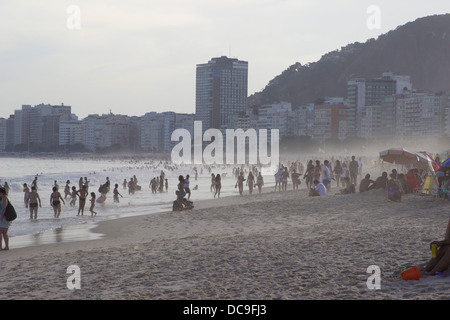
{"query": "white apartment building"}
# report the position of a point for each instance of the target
(71, 132)
(418, 116)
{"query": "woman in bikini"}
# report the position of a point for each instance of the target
(55, 202)
(82, 194)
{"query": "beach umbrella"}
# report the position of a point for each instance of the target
(399, 156)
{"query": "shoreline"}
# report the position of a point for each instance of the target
(88, 230)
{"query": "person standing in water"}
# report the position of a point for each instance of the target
(26, 191)
(67, 190)
(74, 196)
(55, 202)
(91, 209)
(32, 202)
(82, 195)
(116, 193)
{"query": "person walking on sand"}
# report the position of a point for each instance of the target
(317, 171)
(309, 174)
(442, 260)
(82, 195)
(284, 178)
(259, 182)
(55, 202)
(4, 224)
(326, 175)
(218, 185)
(295, 176)
(250, 182)
(337, 171)
(353, 169)
(278, 179)
(116, 193)
(91, 209)
(240, 182)
(33, 201)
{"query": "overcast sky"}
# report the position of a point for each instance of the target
(136, 56)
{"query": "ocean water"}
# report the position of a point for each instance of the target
(70, 227)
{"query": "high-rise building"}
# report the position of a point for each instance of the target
(221, 92)
(370, 92)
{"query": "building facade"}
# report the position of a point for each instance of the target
(221, 92)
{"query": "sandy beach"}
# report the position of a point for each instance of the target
(278, 245)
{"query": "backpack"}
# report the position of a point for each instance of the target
(10, 212)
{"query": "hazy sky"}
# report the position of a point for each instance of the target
(136, 56)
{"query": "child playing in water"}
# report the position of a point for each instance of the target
(116, 193)
(74, 196)
(91, 209)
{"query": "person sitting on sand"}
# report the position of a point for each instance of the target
(394, 190)
(318, 190)
(381, 182)
(349, 187)
(442, 260)
(365, 183)
(402, 181)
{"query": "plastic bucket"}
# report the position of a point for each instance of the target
(411, 273)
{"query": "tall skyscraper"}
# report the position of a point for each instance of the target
(221, 92)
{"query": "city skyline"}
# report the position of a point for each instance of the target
(139, 57)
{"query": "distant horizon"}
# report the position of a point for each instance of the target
(136, 58)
